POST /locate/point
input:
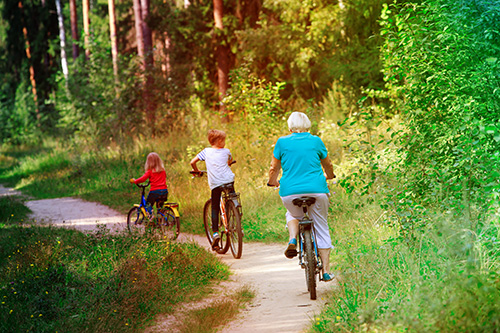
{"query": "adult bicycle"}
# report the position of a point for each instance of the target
(309, 258)
(231, 233)
(165, 225)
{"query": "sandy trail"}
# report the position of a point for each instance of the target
(282, 302)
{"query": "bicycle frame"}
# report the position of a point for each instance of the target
(226, 196)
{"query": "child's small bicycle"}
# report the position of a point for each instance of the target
(165, 225)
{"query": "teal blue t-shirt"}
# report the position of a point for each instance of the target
(300, 155)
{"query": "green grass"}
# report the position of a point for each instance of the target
(55, 279)
(447, 280)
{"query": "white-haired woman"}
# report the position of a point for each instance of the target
(303, 157)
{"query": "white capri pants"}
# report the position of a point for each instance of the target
(317, 212)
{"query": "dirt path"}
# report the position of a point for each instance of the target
(281, 304)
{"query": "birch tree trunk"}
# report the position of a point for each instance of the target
(222, 57)
(62, 37)
(86, 27)
(74, 28)
(112, 33)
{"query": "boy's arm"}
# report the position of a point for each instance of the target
(193, 164)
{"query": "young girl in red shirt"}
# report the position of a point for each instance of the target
(155, 172)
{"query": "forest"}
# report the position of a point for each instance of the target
(404, 93)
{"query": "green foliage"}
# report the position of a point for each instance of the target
(63, 280)
(443, 55)
(310, 44)
(255, 102)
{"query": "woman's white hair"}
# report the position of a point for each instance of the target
(298, 122)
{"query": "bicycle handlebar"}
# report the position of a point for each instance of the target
(143, 185)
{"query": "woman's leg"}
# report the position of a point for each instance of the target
(325, 258)
(293, 229)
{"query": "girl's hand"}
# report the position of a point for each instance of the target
(132, 181)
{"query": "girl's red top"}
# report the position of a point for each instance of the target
(158, 180)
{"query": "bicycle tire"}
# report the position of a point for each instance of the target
(135, 221)
(207, 222)
(234, 226)
(168, 223)
(310, 264)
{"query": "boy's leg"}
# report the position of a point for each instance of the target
(216, 193)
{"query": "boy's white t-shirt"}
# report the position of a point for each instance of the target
(219, 173)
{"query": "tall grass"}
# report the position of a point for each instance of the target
(448, 280)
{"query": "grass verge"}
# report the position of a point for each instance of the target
(54, 279)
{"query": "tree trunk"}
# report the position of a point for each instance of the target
(86, 27)
(74, 27)
(145, 53)
(147, 35)
(32, 68)
(112, 33)
(138, 30)
(222, 57)
(62, 36)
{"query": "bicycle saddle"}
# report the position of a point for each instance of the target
(304, 201)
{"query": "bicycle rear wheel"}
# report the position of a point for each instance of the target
(168, 223)
(207, 222)
(310, 264)
(135, 221)
(234, 226)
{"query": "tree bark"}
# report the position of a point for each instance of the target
(112, 33)
(138, 30)
(222, 57)
(62, 37)
(74, 28)
(145, 53)
(32, 68)
(147, 35)
(86, 27)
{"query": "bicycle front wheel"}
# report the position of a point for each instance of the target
(135, 221)
(234, 226)
(310, 264)
(207, 222)
(168, 223)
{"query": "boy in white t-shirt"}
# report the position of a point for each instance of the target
(217, 159)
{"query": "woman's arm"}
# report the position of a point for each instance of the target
(274, 172)
(328, 167)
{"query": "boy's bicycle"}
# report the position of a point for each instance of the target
(231, 233)
(309, 258)
(166, 223)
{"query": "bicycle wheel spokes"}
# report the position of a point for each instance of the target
(135, 221)
(234, 232)
(168, 223)
(207, 222)
(310, 264)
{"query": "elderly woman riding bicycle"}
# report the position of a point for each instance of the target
(303, 157)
